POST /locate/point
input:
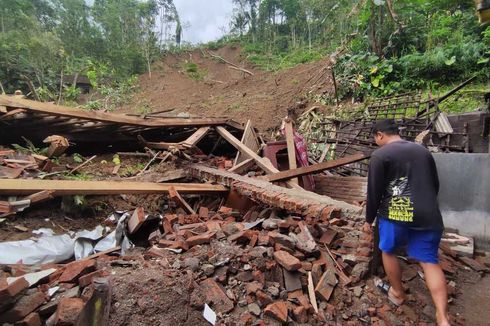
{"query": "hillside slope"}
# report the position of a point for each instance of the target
(218, 90)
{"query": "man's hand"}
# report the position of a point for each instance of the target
(368, 228)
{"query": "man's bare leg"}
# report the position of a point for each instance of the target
(436, 282)
(394, 273)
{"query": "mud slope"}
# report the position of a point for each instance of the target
(264, 97)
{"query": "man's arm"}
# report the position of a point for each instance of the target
(375, 188)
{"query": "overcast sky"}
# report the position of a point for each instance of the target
(204, 19)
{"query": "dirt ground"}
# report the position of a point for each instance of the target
(265, 97)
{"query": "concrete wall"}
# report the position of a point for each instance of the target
(464, 196)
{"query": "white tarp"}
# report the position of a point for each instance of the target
(49, 248)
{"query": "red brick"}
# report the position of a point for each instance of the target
(201, 238)
(74, 270)
(136, 220)
(253, 287)
(225, 210)
(263, 240)
(246, 319)
(240, 237)
(215, 295)
(328, 236)
(305, 302)
(213, 225)
(10, 291)
(277, 310)
(326, 285)
(88, 279)
(259, 276)
(263, 298)
(68, 311)
(300, 314)
(287, 261)
(23, 307)
(32, 319)
(203, 212)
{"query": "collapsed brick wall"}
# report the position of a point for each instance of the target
(348, 189)
(303, 203)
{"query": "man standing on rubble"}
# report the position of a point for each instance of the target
(402, 195)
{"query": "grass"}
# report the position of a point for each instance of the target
(193, 71)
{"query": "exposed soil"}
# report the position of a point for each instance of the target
(265, 97)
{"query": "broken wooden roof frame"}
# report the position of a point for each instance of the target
(413, 115)
(97, 130)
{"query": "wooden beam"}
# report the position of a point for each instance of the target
(58, 110)
(177, 198)
(75, 187)
(263, 163)
(249, 139)
(196, 137)
(158, 145)
(288, 130)
(285, 175)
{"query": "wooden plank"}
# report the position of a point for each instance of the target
(263, 163)
(49, 108)
(75, 187)
(285, 175)
(177, 198)
(249, 138)
(196, 137)
(12, 113)
(288, 130)
(158, 145)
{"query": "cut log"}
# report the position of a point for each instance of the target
(75, 187)
(286, 175)
(176, 198)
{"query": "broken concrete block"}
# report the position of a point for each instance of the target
(287, 261)
(68, 311)
(277, 310)
(75, 269)
(327, 284)
(282, 239)
(136, 220)
(292, 281)
(254, 309)
(24, 306)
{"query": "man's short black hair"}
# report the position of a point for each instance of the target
(387, 126)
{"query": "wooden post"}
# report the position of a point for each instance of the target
(288, 130)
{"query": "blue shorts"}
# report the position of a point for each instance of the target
(422, 245)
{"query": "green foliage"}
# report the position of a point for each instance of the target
(106, 40)
(30, 148)
(131, 170)
(192, 70)
(77, 158)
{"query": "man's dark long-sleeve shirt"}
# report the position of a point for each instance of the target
(403, 186)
